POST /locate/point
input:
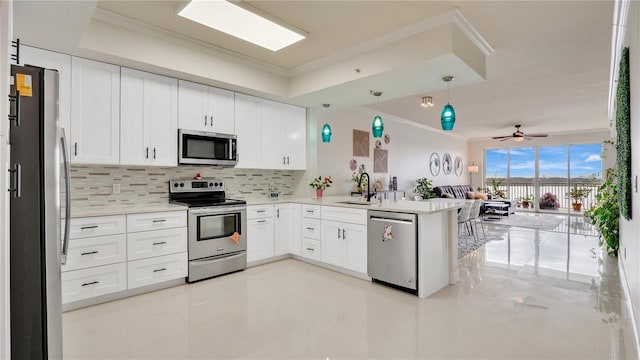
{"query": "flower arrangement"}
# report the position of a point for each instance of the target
(549, 201)
(424, 189)
(525, 201)
(320, 183)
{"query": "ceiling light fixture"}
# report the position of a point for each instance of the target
(242, 21)
(427, 102)
(326, 129)
(377, 126)
(448, 115)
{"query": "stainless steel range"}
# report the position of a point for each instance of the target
(216, 225)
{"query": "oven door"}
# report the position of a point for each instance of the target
(217, 231)
(206, 148)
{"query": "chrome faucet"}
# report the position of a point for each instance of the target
(369, 194)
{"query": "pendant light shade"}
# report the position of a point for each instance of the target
(377, 126)
(326, 133)
(448, 115)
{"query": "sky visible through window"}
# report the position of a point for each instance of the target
(585, 162)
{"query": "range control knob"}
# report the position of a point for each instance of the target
(211, 184)
(181, 184)
(175, 184)
(220, 183)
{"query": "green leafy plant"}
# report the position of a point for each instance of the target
(424, 188)
(320, 183)
(579, 193)
(355, 177)
(623, 130)
(525, 201)
(605, 214)
(494, 190)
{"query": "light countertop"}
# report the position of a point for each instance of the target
(405, 206)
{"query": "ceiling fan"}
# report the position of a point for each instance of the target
(518, 135)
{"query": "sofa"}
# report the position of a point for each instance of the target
(460, 192)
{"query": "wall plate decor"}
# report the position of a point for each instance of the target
(434, 164)
(446, 164)
(353, 164)
(360, 143)
(379, 161)
(457, 166)
(378, 144)
(387, 138)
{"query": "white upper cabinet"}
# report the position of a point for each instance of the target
(283, 136)
(62, 63)
(205, 108)
(248, 110)
(95, 112)
(149, 119)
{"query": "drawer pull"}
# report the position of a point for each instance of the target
(89, 253)
(310, 229)
(91, 283)
(310, 249)
(261, 211)
(89, 227)
(158, 270)
(160, 243)
(262, 221)
(159, 220)
(311, 211)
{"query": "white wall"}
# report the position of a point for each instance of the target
(477, 147)
(629, 230)
(6, 35)
(408, 151)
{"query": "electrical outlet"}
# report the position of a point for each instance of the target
(116, 189)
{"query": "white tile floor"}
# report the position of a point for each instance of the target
(532, 294)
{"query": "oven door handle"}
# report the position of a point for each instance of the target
(220, 210)
(216, 259)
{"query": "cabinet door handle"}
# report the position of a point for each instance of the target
(310, 229)
(159, 220)
(147, 153)
(91, 283)
(158, 270)
(310, 249)
(90, 252)
(154, 153)
(344, 235)
(211, 119)
(160, 243)
(278, 213)
(261, 211)
(75, 149)
(262, 221)
(89, 227)
(287, 160)
(205, 120)
(310, 211)
(338, 233)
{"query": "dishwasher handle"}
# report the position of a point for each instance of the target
(397, 221)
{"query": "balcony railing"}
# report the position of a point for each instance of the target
(520, 189)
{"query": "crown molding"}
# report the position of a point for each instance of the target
(472, 34)
(385, 117)
(170, 36)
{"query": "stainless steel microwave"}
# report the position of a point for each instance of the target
(206, 148)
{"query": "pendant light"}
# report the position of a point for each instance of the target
(377, 126)
(326, 129)
(448, 115)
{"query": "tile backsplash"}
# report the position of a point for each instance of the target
(92, 185)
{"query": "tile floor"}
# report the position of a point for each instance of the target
(531, 294)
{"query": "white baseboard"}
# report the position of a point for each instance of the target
(627, 298)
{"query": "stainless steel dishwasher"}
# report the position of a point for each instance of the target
(392, 249)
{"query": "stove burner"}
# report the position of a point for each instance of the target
(200, 193)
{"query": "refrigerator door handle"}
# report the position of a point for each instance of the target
(67, 187)
(15, 116)
(17, 180)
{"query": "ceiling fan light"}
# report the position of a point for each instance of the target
(448, 118)
(518, 138)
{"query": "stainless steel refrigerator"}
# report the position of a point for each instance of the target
(36, 245)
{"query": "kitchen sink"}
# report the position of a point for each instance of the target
(362, 203)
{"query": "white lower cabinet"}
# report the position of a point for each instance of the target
(96, 251)
(92, 282)
(156, 269)
(344, 244)
(156, 243)
(260, 239)
(311, 249)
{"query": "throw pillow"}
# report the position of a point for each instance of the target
(447, 196)
(480, 196)
(470, 195)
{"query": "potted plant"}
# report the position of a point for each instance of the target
(424, 188)
(549, 201)
(525, 201)
(577, 195)
(605, 213)
(494, 192)
(355, 177)
(320, 184)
